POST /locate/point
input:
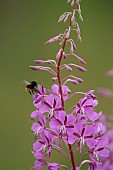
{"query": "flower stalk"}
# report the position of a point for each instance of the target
(72, 157)
(59, 78)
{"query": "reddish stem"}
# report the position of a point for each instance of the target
(60, 84)
(60, 58)
(58, 72)
(72, 157)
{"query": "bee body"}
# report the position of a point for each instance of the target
(30, 87)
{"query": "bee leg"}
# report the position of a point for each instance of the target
(30, 92)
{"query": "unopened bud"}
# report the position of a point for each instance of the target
(67, 67)
(64, 55)
(72, 3)
(58, 54)
(68, 91)
(79, 59)
(52, 40)
(79, 80)
(54, 79)
(80, 68)
(74, 81)
(68, 33)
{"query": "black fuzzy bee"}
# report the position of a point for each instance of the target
(31, 87)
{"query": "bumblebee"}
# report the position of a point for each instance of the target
(31, 87)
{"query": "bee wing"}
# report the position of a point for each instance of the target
(26, 82)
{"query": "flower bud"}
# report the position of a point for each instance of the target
(54, 39)
(64, 55)
(54, 79)
(67, 67)
(80, 68)
(59, 54)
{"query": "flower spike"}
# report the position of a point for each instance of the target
(53, 124)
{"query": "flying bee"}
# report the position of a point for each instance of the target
(31, 87)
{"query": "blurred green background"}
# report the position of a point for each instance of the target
(25, 25)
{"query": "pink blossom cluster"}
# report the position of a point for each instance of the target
(53, 126)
